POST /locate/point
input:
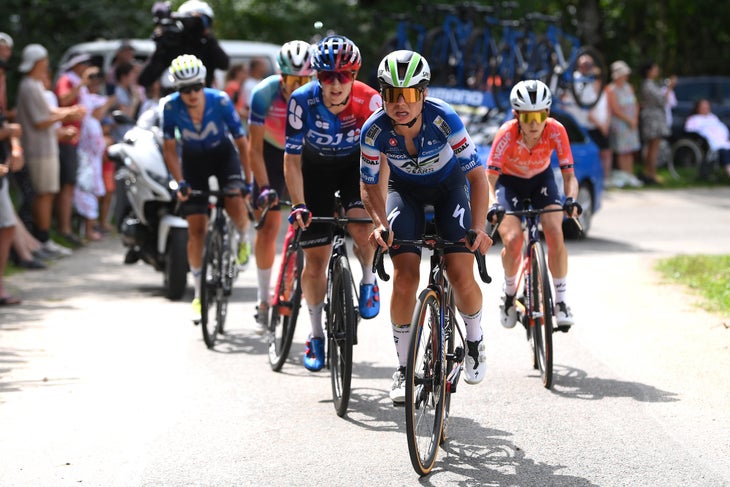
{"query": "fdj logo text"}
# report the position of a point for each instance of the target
(326, 139)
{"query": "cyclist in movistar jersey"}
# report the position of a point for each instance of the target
(267, 130)
(519, 167)
(321, 156)
(206, 121)
(431, 158)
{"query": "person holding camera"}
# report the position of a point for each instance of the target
(187, 31)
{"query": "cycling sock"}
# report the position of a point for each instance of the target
(473, 325)
(264, 278)
(510, 285)
(196, 272)
(560, 287)
(315, 316)
(368, 277)
(401, 336)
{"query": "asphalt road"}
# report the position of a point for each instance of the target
(103, 382)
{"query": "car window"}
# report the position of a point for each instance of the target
(575, 134)
(693, 91)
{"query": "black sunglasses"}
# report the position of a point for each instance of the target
(190, 88)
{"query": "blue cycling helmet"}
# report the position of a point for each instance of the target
(336, 53)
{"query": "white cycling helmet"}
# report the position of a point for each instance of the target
(530, 96)
(192, 7)
(294, 58)
(404, 69)
(187, 70)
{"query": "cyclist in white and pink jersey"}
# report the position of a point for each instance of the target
(267, 132)
(519, 167)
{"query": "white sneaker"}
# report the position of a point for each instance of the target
(59, 250)
(398, 389)
(262, 318)
(508, 311)
(475, 363)
(564, 315)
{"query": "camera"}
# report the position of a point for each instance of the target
(173, 30)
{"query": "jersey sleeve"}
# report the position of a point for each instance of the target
(562, 147)
(295, 123)
(261, 96)
(230, 116)
(499, 148)
(369, 151)
(168, 120)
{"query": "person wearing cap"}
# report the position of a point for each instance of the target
(39, 139)
(624, 133)
(6, 49)
(71, 87)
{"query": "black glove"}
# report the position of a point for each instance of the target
(569, 204)
(496, 212)
(183, 187)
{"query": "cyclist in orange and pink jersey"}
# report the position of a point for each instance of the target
(519, 167)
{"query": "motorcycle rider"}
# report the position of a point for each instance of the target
(206, 120)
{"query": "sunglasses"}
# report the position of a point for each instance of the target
(190, 88)
(292, 80)
(529, 117)
(410, 95)
(329, 77)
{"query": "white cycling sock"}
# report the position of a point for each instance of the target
(264, 278)
(560, 288)
(473, 325)
(368, 277)
(510, 285)
(315, 316)
(196, 272)
(402, 338)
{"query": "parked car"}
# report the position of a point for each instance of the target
(482, 124)
(690, 89)
(102, 52)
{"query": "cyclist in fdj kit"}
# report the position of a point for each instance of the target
(430, 158)
(321, 156)
(206, 120)
(267, 131)
(519, 167)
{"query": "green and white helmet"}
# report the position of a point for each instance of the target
(404, 69)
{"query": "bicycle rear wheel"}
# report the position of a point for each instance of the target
(283, 319)
(542, 315)
(212, 295)
(341, 322)
(588, 91)
(425, 391)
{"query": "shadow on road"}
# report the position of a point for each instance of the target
(574, 383)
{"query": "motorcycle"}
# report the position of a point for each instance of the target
(145, 208)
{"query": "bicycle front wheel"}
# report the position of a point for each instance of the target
(212, 294)
(341, 321)
(425, 384)
(455, 352)
(283, 319)
(542, 315)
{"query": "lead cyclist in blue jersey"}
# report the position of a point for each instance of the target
(430, 158)
(207, 123)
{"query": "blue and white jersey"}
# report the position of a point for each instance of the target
(219, 119)
(443, 144)
(310, 123)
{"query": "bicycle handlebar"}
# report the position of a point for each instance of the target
(530, 212)
(431, 242)
(259, 224)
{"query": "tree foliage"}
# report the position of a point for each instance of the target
(683, 37)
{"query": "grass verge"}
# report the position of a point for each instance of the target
(708, 275)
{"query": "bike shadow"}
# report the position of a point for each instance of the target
(574, 383)
(473, 453)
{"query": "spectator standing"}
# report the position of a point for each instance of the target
(70, 88)
(127, 97)
(39, 139)
(7, 222)
(624, 133)
(235, 77)
(6, 49)
(709, 126)
(653, 117)
(124, 55)
(92, 145)
(257, 71)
